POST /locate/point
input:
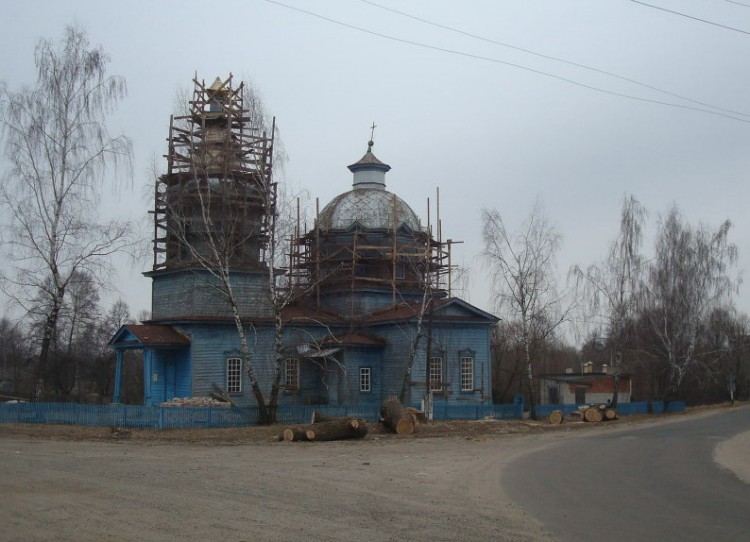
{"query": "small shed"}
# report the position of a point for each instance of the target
(584, 387)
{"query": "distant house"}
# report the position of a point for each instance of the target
(363, 268)
(585, 387)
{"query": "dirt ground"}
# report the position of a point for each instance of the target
(443, 483)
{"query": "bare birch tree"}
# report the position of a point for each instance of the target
(522, 270)
(282, 289)
(228, 215)
(57, 143)
(687, 280)
(420, 268)
(611, 287)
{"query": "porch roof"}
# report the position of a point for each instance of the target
(357, 339)
(148, 335)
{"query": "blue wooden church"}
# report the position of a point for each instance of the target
(367, 308)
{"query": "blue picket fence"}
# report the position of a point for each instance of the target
(218, 417)
(476, 411)
(623, 409)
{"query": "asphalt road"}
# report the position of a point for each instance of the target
(654, 483)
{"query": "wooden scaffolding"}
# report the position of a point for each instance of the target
(401, 259)
(218, 181)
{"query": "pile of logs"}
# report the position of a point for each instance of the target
(587, 413)
(324, 428)
(397, 417)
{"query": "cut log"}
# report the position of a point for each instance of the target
(396, 416)
(592, 414)
(295, 434)
(391, 399)
(556, 417)
(340, 429)
(418, 415)
(360, 428)
(610, 414)
(317, 417)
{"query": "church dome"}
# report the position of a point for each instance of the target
(368, 203)
(370, 207)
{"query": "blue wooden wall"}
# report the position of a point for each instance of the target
(195, 370)
(185, 294)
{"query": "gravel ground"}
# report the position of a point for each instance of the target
(73, 483)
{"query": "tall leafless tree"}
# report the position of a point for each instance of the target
(215, 227)
(420, 267)
(58, 145)
(687, 280)
(611, 287)
(522, 269)
(14, 359)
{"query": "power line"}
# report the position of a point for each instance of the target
(691, 17)
(511, 64)
(556, 59)
(738, 3)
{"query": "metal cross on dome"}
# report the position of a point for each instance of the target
(372, 136)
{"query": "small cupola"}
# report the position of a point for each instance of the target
(369, 172)
(217, 94)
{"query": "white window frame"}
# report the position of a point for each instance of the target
(291, 373)
(234, 375)
(435, 374)
(467, 373)
(365, 379)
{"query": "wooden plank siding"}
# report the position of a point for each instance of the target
(457, 331)
(187, 294)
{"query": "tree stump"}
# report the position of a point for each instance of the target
(556, 417)
(396, 416)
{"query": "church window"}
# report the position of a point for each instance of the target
(291, 374)
(365, 379)
(436, 374)
(467, 373)
(234, 375)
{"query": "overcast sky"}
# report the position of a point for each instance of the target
(490, 125)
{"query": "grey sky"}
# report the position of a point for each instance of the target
(486, 133)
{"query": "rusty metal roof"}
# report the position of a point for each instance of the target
(357, 339)
(156, 334)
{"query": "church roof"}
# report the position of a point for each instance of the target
(354, 338)
(368, 204)
(371, 208)
(369, 161)
(451, 308)
(148, 335)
